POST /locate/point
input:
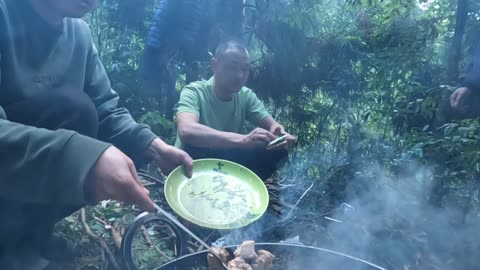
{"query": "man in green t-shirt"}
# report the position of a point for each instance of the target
(212, 113)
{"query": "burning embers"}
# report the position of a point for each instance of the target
(245, 258)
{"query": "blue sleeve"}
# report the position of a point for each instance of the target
(472, 77)
(161, 23)
(176, 24)
(190, 25)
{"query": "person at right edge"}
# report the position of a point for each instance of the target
(465, 101)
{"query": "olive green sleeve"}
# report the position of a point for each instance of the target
(116, 125)
(43, 166)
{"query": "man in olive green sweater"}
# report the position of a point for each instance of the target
(64, 143)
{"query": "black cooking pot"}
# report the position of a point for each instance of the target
(290, 257)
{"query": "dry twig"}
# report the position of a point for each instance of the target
(116, 235)
(150, 243)
(99, 240)
(115, 229)
(146, 236)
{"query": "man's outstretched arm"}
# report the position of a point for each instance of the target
(44, 166)
(471, 83)
(193, 133)
(275, 128)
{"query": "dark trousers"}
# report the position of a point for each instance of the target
(259, 160)
(25, 223)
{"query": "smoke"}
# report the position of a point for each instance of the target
(391, 223)
(254, 231)
(361, 207)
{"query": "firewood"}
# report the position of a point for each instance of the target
(246, 251)
(264, 261)
(213, 262)
(239, 264)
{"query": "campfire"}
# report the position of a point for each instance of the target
(245, 258)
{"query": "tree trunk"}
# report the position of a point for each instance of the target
(455, 51)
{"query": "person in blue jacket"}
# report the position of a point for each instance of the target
(175, 26)
(183, 28)
(466, 99)
(173, 34)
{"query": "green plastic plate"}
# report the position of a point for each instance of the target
(220, 195)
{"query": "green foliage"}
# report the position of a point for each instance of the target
(159, 124)
(358, 81)
(364, 2)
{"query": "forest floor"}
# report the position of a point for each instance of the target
(97, 232)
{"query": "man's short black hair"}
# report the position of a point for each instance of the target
(229, 44)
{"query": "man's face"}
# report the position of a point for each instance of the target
(74, 8)
(232, 70)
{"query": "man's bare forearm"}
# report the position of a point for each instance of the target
(196, 134)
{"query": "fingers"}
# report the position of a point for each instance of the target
(259, 137)
(278, 130)
(134, 173)
(264, 138)
(462, 100)
(187, 162)
(270, 136)
(454, 100)
(281, 145)
(137, 194)
(114, 177)
(261, 140)
(458, 100)
(264, 134)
